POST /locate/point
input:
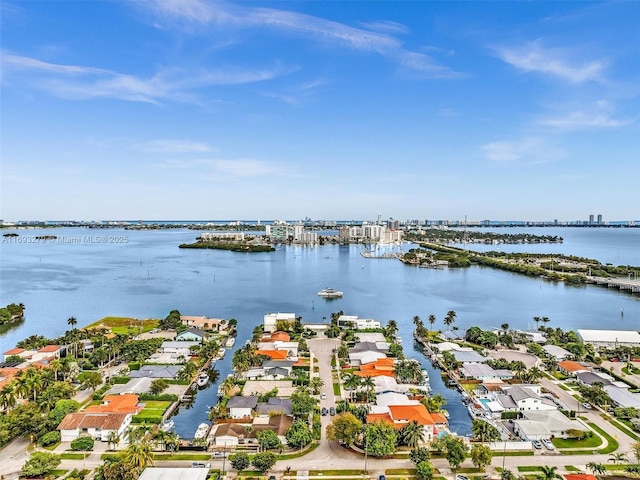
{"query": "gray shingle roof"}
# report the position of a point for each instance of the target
(242, 402)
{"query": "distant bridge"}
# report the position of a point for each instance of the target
(632, 286)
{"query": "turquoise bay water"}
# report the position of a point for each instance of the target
(149, 275)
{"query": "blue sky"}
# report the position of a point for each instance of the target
(195, 109)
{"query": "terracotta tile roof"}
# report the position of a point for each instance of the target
(50, 348)
(579, 476)
(439, 418)
(381, 367)
(377, 417)
(14, 351)
(125, 403)
(104, 421)
(571, 366)
(409, 413)
(273, 354)
(277, 336)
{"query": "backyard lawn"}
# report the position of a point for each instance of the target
(589, 442)
(125, 325)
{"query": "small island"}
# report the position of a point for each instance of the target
(11, 313)
(233, 242)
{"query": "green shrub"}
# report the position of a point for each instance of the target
(134, 365)
(83, 444)
(49, 438)
(165, 397)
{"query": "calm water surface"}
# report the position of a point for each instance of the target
(148, 276)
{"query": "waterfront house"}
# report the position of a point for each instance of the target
(357, 323)
(135, 385)
(203, 323)
(276, 337)
(97, 425)
(178, 349)
(523, 398)
(270, 370)
(464, 356)
(260, 387)
(483, 372)
(571, 368)
(157, 371)
(380, 367)
(271, 320)
(241, 407)
(388, 384)
(401, 415)
(290, 347)
(356, 359)
(273, 354)
(233, 434)
(191, 335)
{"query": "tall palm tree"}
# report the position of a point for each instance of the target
(416, 320)
(351, 382)
(432, 320)
(56, 366)
(484, 431)
(72, 322)
(226, 386)
(316, 384)
(549, 473)
(369, 385)
(392, 328)
(412, 434)
(534, 374)
(8, 396)
(139, 455)
(545, 320)
(537, 320)
(450, 318)
(505, 328)
(33, 381)
(113, 439)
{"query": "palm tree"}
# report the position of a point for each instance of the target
(596, 468)
(72, 321)
(113, 439)
(316, 384)
(518, 368)
(412, 434)
(370, 385)
(505, 328)
(33, 381)
(534, 374)
(139, 455)
(432, 320)
(537, 320)
(8, 396)
(226, 386)
(392, 328)
(484, 431)
(416, 320)
(617, 458)
(549, 473)
(545, 320)
(56, 366)
(343, 351)
(450, 318)
(351, 382)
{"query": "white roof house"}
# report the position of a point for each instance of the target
(539, 425)
(622, 396)
(362, 358)
(610, 338)
(482, 371)
(174, 473)
(270, 320)
(556, 352)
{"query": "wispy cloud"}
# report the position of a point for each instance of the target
(174, 146)
(527, 150)
(386, 26)
(82, 82)
(598, 115)
(237, 167)
(556, 62)
(376, 38)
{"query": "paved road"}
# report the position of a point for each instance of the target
(322, 349)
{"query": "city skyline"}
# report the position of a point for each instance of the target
(212, 109)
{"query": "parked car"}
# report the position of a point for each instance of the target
(587, 405)
(461, 477)
(219, 454)
(382, 477)
(547, 443)
(324, 411)
(332, 411)
(323, 396)
(200, 465)
(537, 445)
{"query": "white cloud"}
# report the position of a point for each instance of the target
(237, 167)
(374, 40)
(174, 146)
(533, 57)
(386, 26)
(598, 115)
(80, 82)
(527, 150)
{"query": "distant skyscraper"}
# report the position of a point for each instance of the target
(590, 219)
(599, 219)
(379, 219)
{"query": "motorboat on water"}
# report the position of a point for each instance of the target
(221, 352)
(230, 341)
(202, 379)
(329, 293)
(202, 430)
(167, 425)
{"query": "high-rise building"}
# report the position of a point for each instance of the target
(599, 219)
(591, 219)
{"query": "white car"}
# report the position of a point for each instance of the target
(323, 396)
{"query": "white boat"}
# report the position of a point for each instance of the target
(202, 430)
(425, 376)
(230, 341)
(221, 352)
(329, 293)
(203, 379)
(167, 425)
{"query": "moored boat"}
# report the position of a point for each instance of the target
(203, 379)
(167, 425)
(230, 341)
(221, 352)
(329, 293)
(202, 431)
